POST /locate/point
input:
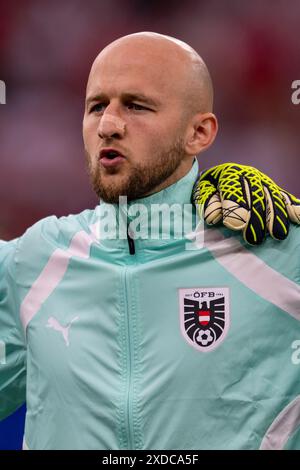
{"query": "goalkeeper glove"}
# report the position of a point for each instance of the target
(247, 200)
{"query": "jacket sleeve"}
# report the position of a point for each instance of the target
(12, 341)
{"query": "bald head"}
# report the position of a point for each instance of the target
(176, 65)
(148, 104)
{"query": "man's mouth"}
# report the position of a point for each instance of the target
(110, 157)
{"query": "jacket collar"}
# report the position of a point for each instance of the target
(142, 218)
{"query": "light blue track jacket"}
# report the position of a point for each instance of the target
(168, 347)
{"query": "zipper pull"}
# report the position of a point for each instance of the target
(130, 243)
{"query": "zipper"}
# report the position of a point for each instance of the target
(129, 371)
(130, 241)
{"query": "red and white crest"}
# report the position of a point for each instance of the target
(204, 316)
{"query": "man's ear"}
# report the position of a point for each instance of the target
(201, 133)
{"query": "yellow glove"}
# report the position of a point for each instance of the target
(247, 200)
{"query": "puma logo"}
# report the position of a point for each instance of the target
(64, 330)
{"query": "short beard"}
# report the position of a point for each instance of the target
(141, 179)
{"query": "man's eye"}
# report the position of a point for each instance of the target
(137, 107)
(97, 108)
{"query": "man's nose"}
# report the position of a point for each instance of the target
(111, 126)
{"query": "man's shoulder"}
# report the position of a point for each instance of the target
(7, 250)
(283, 256)
(289, 245)
(60, 229)
(51, 233)
(295, 231)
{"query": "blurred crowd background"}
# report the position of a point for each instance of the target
(46, 49)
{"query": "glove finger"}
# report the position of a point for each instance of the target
(292, 205)
(255, 231)
(213, 209)
(236, 202)
(207, 201)
(277, 216)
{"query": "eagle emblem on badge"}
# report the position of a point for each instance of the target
(204, 316)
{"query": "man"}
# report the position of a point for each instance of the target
(110, 362)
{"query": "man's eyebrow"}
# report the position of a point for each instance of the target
(140, 97)
(98, 97)
(125, 97)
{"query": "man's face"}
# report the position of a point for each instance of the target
(134, 108)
